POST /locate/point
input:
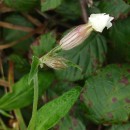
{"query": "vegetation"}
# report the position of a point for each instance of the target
(43, 86)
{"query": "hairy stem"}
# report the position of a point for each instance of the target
(32, 123)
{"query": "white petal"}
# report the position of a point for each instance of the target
(100, 21)
(109, 22)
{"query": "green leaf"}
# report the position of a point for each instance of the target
(13, 35)
(69, 10)
(71, 123)
(114, 7)
(53, 111)
(120, 127)
(22, 91)
(50, 4)
(119, 35)
(34, 69)
(89, 56)
(107, 95)
(22, 5)
(47, 42)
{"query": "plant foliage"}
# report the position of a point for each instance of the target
(63, 97)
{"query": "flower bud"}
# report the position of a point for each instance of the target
(54, 62)
(100, 21)
(75, 37)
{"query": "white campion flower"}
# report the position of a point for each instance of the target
(100, 21)
(96, 22)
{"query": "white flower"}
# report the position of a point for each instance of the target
(96, 22)
(75, 37)
(100, 21)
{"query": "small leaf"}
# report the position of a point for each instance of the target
(89, 56)
(50, 4)
(53, 111)
(22, 91)
(107, 95)
(34, 68)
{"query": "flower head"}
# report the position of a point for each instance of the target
(75, 37)
(100, 21)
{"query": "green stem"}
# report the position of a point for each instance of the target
(20, 119)
(32, 122)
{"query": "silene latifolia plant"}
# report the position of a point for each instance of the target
(96, 22)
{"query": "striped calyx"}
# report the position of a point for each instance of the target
(76, 36)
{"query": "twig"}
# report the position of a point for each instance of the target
(32, 19)
(11, 75)
(4, 8)
(4, 83)
(8, 45)
(15, 27)
(84, 12)
(43, 14)
(46, 16)
(1, 68)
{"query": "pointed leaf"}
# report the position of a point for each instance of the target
(53, 111)
(23, 91)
